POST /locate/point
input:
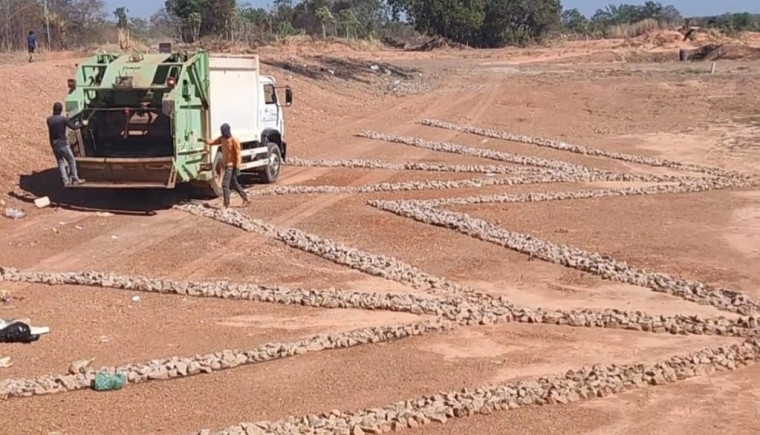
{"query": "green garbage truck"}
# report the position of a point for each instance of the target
(145, 118)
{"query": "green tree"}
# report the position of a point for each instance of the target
(122, 22)
(348, 22)
(193, 22)
(370, 15)
(325, 17)
(202, 17)
(122, 25)
(485, 23)
(518, 22)
(574, 21)
(671, 14)
(458, 20)
(140, 29)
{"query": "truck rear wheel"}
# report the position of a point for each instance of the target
(271, 171)
(213, 188)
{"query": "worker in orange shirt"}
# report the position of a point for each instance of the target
(232, 159)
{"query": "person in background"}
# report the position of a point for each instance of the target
(57, 124)
(232, 159)
(31, 44)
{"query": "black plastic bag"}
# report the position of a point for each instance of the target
(17, 332)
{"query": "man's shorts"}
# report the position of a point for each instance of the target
(31, 50)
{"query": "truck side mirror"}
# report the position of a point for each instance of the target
(288, 97)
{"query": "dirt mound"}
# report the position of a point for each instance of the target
(659, 38)
(710, 36)
(29, 91)
(750, 38)
(365, 76)
(714, 52)
(440, 43)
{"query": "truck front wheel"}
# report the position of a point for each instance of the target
(271, 171)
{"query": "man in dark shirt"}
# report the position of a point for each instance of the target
(31, 44)
(57, 130)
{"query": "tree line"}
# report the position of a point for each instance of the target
(609, 21)
(68, 24)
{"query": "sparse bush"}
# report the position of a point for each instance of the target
(622, 31)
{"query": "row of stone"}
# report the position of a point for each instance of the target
(408, 186)
(179, 367)
(703, 185)
(452, 312)
(412, 166)
(564, 168)
(580, 149)
(373, 264)
(575, 385)
(586, 261)
(469, 309)
(396, 270)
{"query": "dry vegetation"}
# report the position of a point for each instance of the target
(435, 251)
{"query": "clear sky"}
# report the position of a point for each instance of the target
(144, 8)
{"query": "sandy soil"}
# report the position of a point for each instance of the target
(666, 109)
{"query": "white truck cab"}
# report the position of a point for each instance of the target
(253, 107)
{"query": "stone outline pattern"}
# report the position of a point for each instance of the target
(453, 305)
(574, 385)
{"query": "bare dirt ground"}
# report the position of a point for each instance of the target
(486, 254)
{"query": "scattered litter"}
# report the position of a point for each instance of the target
(55, 230)
(104, 339)
(61, 223)
(331, 71)
(5, 362)
(114, 237)
(490, 174)
(79, 227)
(80, 366)
(42, 202)
(5, 296)
(109, 381)
(14, 213)
(103, 214)
(17, 331)
(135, 298)
(374, 68)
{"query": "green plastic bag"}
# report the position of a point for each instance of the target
(109, 381)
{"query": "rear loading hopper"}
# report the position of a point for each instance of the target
(145, 119)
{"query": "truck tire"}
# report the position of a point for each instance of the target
(271, 172)
(213, 188)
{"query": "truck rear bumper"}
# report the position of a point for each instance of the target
(107, 172)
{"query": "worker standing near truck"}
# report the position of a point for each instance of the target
(57, 124)
(231, 150)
